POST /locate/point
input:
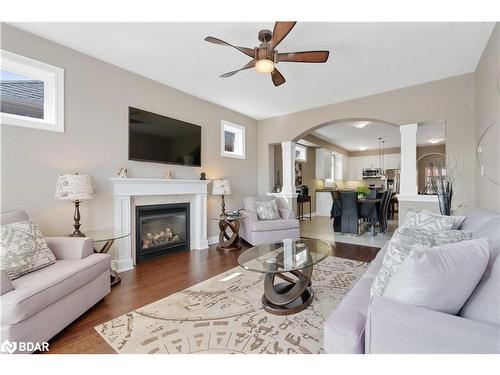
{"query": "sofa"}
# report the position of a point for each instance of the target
(38, 305)
(256, 231)
(361, 324)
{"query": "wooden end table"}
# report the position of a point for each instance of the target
(229, 225)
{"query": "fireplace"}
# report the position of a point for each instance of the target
(161, 229)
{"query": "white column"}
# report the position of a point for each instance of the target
(288, 153)
(408, 177)
(123, 247)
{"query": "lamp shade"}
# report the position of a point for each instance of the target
(221, 187)
(75, 187)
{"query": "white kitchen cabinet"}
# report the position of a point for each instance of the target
(357, 163)
(323, 163)
(324, 203)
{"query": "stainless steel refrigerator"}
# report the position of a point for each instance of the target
(392, 179)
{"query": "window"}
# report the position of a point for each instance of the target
(300, 153)
(31, 93)
(232, 140)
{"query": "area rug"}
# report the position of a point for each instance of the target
(224, 315)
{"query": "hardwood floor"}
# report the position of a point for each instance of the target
(155, 279)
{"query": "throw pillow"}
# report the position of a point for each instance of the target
(440, 278)
(424, 220)
(23, 248)
(267, 210)
(457, 220)
(404, 240)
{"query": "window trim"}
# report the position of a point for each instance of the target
(237, 129)
(53, 106)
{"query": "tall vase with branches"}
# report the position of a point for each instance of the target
(443, 184)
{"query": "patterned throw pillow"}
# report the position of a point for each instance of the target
(267, 210)
(406, 239)
(23, 249)
(428, 221)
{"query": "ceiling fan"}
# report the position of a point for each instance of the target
(265, 56)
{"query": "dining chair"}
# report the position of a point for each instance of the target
(384, 211)
(350, 216)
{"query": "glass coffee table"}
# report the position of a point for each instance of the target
(292, 261)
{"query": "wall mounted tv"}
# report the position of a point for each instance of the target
(163, 139)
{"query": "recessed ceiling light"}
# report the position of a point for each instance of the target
(360, 124)
(434, 140)
(362, 148)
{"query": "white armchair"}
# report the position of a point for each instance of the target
(256, 231)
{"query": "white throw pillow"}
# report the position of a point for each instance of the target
(427, 220)
(23, 248)
(440, 278)
(267, 210)
(404, 240)
(457, 220)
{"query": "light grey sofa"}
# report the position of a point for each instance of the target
(364, 325)
(38, 305)
(256, 231)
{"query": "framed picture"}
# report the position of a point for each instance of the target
(301, 153)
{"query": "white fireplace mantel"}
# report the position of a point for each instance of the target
(124, 189)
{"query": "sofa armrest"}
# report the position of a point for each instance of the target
(5, 284)
(287, 214)
(66, 248)
(393, 327)
(249, 216)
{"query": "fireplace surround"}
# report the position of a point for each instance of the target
(161, 229)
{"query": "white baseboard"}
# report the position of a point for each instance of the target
(212, 240)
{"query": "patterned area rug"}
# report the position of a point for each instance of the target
(224, 315)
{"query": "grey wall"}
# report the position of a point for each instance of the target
(447, 99)
(95, 141)
(487, 89)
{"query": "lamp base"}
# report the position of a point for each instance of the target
(76, 234)
(76, 225)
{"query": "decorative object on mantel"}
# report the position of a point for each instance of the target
(203, 176)
(168, 175)
(122, 173)
(221, 187)
(75, 187)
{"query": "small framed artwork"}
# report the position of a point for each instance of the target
(232, 140)
(301, 153)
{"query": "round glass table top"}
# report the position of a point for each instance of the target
(229, 217)
(285, 255)
(101, 235)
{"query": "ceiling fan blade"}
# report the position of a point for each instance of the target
(277, 77)
(247, 51)
(249, 65)
(281, 30)
(304, 57)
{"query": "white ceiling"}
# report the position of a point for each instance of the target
(345, 135)
(365, 58)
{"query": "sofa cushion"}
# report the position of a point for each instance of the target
(273, 225)
(490, 230)
(484, 304)
(267, 210)
(476, 218)
(457, 220)
(13, 216)
(375, 264)
(440, 278)
(36, 290)
(428, 221)
(23, 249)
(406, 239)
(249, 203)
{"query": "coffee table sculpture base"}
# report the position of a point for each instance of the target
(289, 297)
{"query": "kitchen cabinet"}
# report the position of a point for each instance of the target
(357, 163)
(324, 203)
(323, 163)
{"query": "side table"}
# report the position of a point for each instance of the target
(229, 225)
(106, 237)
(300, 207)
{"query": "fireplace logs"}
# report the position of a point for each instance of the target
(164, 237)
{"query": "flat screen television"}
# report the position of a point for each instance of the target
(163, 139)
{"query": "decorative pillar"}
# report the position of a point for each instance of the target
(288, 153)
(408, 176)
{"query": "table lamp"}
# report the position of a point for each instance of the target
(75, 187)
(221, 187)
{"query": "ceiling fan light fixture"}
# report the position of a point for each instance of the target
(264, 66)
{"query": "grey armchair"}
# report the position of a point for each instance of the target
(256, 231)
